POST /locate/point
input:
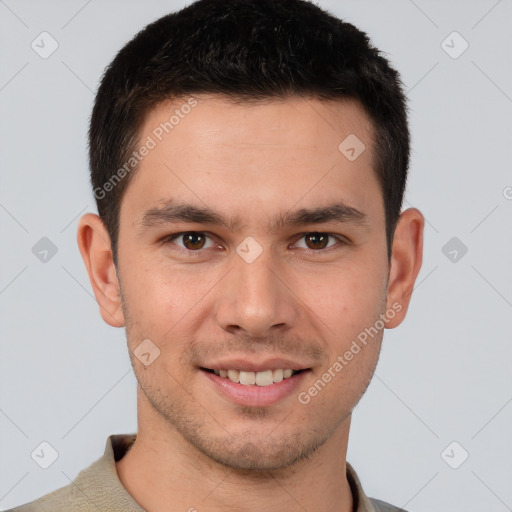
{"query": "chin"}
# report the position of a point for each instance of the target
(254, 456)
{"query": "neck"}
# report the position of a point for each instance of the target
(162, 468)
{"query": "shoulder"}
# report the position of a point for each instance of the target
(65, 499)
(362, 501)
(381, 506)
(96, 488)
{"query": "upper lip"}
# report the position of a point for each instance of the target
(254, 366)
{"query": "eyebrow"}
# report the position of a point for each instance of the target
(173, 212)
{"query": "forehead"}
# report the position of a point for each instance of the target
(294, 122)
(256, 157)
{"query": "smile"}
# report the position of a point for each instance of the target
(255, 389)
(261, 378)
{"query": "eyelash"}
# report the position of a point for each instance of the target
(170, 239)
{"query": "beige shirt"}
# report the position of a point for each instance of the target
(98, 488)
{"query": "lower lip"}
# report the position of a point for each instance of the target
(253, 395)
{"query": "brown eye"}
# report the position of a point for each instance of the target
(193, 241)
(317, 240)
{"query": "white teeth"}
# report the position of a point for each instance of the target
(234, 375)
(264, 378)
(278, 375)
(247, 378)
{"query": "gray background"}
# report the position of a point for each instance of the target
(444, 374)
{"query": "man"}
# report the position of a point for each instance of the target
(249, 160)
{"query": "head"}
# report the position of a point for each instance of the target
(250, 51)
(249, 160)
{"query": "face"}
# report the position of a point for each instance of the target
(249, 244)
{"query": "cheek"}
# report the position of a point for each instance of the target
(149, 295)
(162, 299)
(347, 301)
(350, 305)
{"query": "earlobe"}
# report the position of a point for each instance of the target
(95, 248)
(406, 259)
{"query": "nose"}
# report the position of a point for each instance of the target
(255, 298)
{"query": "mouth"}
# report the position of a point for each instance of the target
(259, 378)
(254, 386)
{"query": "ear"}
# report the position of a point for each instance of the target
(95, 248)
(406, 259)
